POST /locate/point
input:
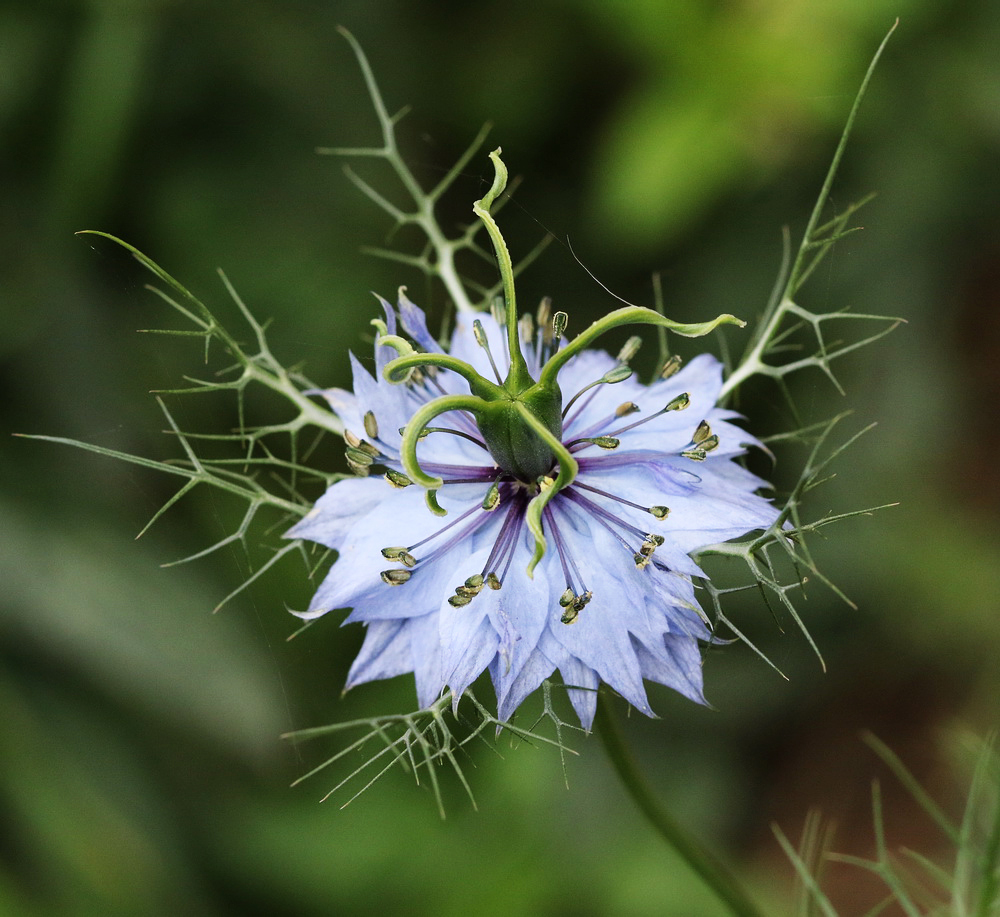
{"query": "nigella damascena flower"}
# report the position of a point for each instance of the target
(553, 515)
(610, 600)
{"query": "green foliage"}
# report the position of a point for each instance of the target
(778, 560)
(969, 886)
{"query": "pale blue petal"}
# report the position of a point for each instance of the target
(415, 323)
(582, 683)
(383, 353)
(340, 508)
(355, 579)
(385, 653)
(425, 641)
(511, 691)
(343, 403)
(677, 665)
(521, 611)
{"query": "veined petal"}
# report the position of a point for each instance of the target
(415, 322)
(339, 509)
(385, 653)
(677, 664)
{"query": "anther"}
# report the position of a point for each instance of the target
(480, 334)
(395, 577)
(670, 367)
(359, 456)
(401, 555)
(574, 605)
(526, 328)
(703, 446)
(499, 311)
(606, 442)
(492, 499)
(630, 349)
(397, 479)
(619, 374)
(544, 311)
(482, 341)
(628, 407)
(679, 403)
(351, 439)
(659, 512)
(559, 322)
(646, 550)
(362, 471)
(467, 592)
(371, 425)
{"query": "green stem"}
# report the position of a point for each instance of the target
(397, 370)
(629, 315)
(568, 469)
(713, 871)
(415, 426)
(518, 378)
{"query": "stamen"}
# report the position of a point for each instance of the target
(505, 542)
(467, 592)
(468, 530)
(543, 313)
(572, 601)
(704, 441)
(677, 404)
(526, 328)
(559, 322)
(499, 311)
(658, 512)
(543, 340)
(395, 577)
(469, 437)
(702, 432)
(613, 376)
(606, 519)
(397, 478)
(670, 367)
(362, 471)
(630, 349)
(704, 447)
(371, 425)
(359, 456)
(576, 605)
(399, 554)
(626, 408)
(492, 499)
(482, 341)
(645, 554)
(605, 442)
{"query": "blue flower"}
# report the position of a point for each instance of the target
(537, 567)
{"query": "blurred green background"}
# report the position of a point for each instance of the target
(140, 766)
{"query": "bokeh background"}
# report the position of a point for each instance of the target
(140, 766)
